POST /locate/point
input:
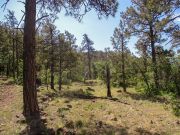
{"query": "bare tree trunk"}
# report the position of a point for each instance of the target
(108, 83)
(30, 108)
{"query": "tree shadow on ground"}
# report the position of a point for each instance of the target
(106, 129)
(139, 96)
(100, 128)
(78, 94)
(88, 96)
(142, 131)
(91, 128)
(90, 83)
(36, 126)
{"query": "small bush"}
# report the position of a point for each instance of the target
(151, 91)
(175, 104)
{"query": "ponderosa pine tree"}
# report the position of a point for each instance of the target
(108, 74)
(31, 108)
(151, 18)
(11, 22)
(50, 36)
(87, 45)
(4, 50)
(119, 41)
(66, 53)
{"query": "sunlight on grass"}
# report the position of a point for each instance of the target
(84, 109)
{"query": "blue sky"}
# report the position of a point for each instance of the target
(98, 31)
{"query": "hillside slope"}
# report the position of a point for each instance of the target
(84, 109)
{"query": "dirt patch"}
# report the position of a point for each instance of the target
(7, 95)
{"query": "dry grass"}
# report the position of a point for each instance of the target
(84, 109)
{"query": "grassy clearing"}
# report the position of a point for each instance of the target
(84, 109)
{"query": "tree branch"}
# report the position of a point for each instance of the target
(41, 18)
(21, 2)
(5, 4)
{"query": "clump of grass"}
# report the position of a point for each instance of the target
(91, 107)
(110, 133)
(69, 106)
(66, 101)
(90, 89)
(79, 124)
(83, 132)
(69, 124)
(61, 111)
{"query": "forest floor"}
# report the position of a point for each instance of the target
(83, 109)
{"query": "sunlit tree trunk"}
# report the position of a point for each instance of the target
(30, 108)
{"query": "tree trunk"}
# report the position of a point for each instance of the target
(52, 60)
(52, 76)
(60, 75)
(123, 67)
(154, 63)
(60, 66)
(17, 56)
(145, 58)
(7, 67)
(13, 59)
(108, 83)
(30, 108)
(89, 64)
(46, 76)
